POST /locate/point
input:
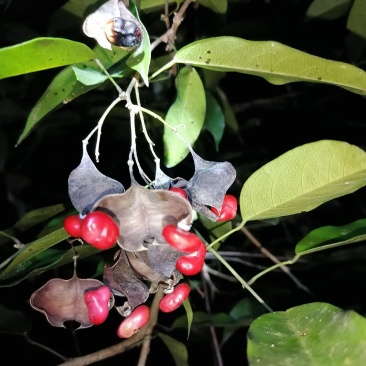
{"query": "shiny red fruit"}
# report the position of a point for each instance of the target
(97, 302)
(72, 225)
(228, 209)
(134, 322)
(172, 301)
(179, 191)
(99, 230)
(192, 264)
(181, 240)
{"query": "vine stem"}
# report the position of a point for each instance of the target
(278, 265)
(274, 259)
(236, 275)
(239, 227)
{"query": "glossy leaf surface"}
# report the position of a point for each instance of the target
(41, 54)
(309, 334)
(277, 63)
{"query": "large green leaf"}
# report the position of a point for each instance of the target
(315, 334)
(41, 54)
(186, 114)
(326, 236)
(275, 62)
(302, 179)
(328, 9)
(177, 349)
(31, 250)
(74, 81)
(356, 21)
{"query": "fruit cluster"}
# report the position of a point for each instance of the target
(153, 252)
(100, 230)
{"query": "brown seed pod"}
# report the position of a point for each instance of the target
(113, 24)
(123, 33)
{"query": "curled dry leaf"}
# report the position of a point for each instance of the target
(87, 185)
(156, 266)
(113, 24)
(63, 300)
(209, 184)
(122, 280)
(142, 214)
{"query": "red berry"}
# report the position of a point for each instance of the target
(134, 322)
(99, 230)
(228, 209)
(97, 302)
(179, 191)
(72, 225)
(180, 239)
(192, 264)
(172, 301)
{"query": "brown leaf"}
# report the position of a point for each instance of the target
(62, 300)
(142, 214)
(122, 280)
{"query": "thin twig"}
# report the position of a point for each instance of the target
(215, 343)
(147, 137)
(34, 343)
(269, 255)
(170, 35)
(236, 275)
(121, 347)
(150, 327)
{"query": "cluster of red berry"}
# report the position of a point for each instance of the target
(100, 230)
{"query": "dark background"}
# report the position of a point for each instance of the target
(272, 119)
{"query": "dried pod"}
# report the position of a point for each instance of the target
(63, 300)
(113, 24)
(123, 33)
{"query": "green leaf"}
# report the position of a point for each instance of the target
(33, 218)
(218, 6)
(302, 179)
(273, 61)
(72, 82)
(328, 9)
(313, 334)
(177, 349)
(357, 18)
(327, 235)
(45, 261)
(140, 58)
(41, 54)
(189, 313)
(242, 314)
(186, 114)
(78, 7)
(214, 119)
(29, 251)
